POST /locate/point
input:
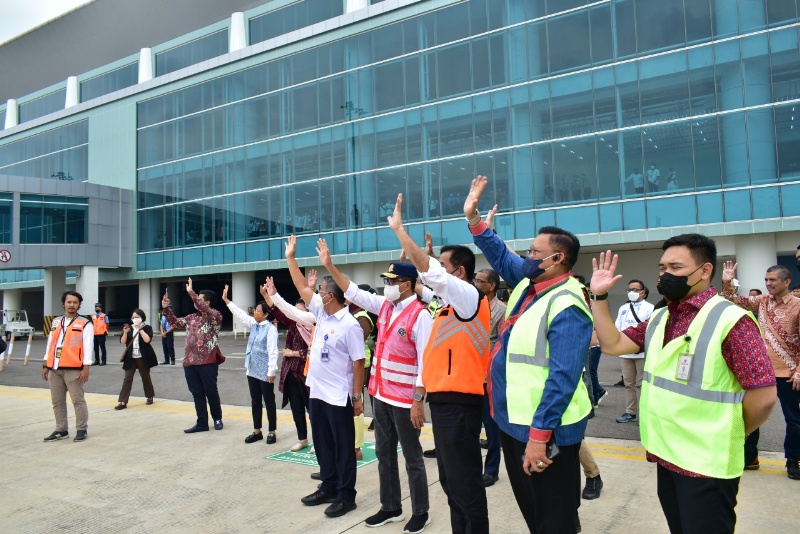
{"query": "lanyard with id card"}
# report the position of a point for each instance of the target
(324, 355)
(685, 360)
(62, 336)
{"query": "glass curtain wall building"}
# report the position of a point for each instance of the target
(613, 119)
(607, 117)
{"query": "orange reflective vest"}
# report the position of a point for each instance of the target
(71, 354)
(394, 366)
(100, 325)
(457, 355)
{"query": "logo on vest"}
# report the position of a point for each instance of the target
(401, 332)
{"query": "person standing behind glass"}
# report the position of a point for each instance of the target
(167, 340)
(261, 363)
(138, 355)
(672, 180)
(638, 181)
(653, 177)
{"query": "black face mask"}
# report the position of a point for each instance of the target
(674, 288)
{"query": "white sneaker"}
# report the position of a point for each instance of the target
(299, 446)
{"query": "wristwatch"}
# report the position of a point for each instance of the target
(419, 397)
(595, 296)
(356, 398)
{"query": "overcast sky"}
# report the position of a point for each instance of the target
(19, 16)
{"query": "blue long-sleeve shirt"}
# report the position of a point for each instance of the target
(569, 336)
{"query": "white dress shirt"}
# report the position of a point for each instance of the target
(462, 296)
(626, 319)
(88, 340)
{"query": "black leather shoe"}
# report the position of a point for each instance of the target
(593, 488)
(489, 480)
(196, 428)
(218, 424)
(315, 476)
(793, 469)
(318, 497)
(339, 508)
(81, 436)
(271, 438)
(429, 453)
(255, 436)
(102, 363)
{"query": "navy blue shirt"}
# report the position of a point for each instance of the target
(569, 336)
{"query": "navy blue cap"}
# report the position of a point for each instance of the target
(400, 269)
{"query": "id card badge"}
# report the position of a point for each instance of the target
(324, 355)
(58, 353)
(684, 370)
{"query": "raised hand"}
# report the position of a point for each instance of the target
(604, 273)
(729, 271)
(402, 255)
(269, 286)
(490, 217)
(312, 279)
(225, 294)
(396, 219)
(324, 252)
(189, 285)
(474, 196)
(165, 301)
(291, 247)
(429, 244)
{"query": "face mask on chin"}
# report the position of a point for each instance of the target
(675, 288)
(532, 268)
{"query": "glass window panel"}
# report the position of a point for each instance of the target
(751, 16)
(191, 53)
(756, 70)
(497, 59)
(600, 28)
(575, 164)
(702, 81)
(545, 182)
(416, 206)
(573, 52)
(633, 215)
(540, 111)
(766, 203)
(255, 119)
(524, 225)
(455, 128)
(482, 116)
(787, 127)
(304, 110)
(389, 86)
(44, 105)
(632, 162)
(761, 146)
(583, 220)
(387, 42)
(452, 23)
(779, 11)
(790, 200)
(370, 210)
(659, 24)
(610, 217)
(709, 208)
(390, 140)
(292, 17)
(625, 28)
(414, 132)
(698, 20)
(543, 218)
(571, 102)
(500, 125)
(110, 81)
(605, 99)
(737, 205)
(478, 16)
(671, 211)
(628, 89)
(453, 70)
(668, 157)
(726, 59)
(733, 142)
(412, 81)
(5, 220)
(537, 53)
(664, 87)
(521, 116)
(303, 66)
(785, 63)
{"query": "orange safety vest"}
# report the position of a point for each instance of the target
(100, 325)
(457, 355)
(72, 348)
(395, 367)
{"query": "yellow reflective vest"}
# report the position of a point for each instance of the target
(695, 423)
(528, 353)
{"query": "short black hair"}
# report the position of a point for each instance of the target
(70, 293)
(635, 281)
(580, 279)
(702, 248)
(333, 288)
(140, 313)
(563, 241)
(757, 291)
(208, 296)
(264, 307)
(461, 256)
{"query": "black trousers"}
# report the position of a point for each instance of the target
(100, 348)
(548, 500)
(168, 344)
(335, 446)
(298, 401)
(697, 505)
(262, 390)
(202, 382)
(456, 435)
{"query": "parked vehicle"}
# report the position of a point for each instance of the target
(16, 322)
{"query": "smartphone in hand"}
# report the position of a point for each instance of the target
(551, 449)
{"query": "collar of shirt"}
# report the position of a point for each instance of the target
(405, 302)
(547, 284)
(785, 300)
(696, 301)
(339, 314)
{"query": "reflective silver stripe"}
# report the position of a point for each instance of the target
(402, 379)
(692, 392)
(539, 360)
(694, 387)
(402, 367)
(451, 325)
(652, 326)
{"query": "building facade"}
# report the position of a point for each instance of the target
(623, 121)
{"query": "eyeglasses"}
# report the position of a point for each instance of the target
(321, 292)
(479, 281)
(635, 289)
(533, 252)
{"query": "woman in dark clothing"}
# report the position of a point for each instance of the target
(293, 381)
(138, 355)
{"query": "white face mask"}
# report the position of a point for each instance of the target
(391, 292)
(137, 321)
(633, 296)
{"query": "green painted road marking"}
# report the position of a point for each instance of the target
(305, 457)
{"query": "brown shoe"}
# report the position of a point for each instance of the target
(753, 466)
(359, 456)
(120, 406)
(149, 400)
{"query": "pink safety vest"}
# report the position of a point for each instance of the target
(394, 366)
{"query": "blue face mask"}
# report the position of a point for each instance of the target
(532, 268)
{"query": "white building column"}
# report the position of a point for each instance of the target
(12, 117)
(87, 282)
(243, 289)
(754, 254)
(55, 283)
(73, 99)
(12, 299)
(354, 5)
(145, 65)
(149, 299)
(238, 38)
